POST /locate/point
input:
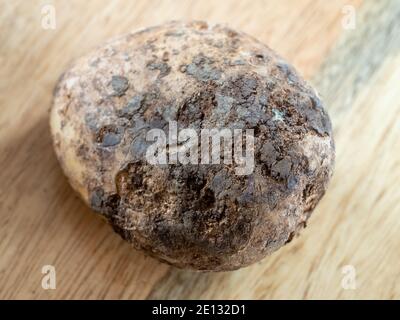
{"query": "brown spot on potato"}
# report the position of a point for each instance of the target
(109, 136)
(120, 85)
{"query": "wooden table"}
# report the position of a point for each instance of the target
(357, 224)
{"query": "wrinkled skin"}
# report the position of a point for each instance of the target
(202, 217)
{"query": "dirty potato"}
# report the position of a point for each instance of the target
(202, 216)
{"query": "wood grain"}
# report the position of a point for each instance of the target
(358, 74)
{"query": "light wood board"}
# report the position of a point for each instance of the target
(357, 72)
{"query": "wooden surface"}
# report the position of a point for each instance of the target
(357, 71)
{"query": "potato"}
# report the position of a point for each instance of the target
(207, 215)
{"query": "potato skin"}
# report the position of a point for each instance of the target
(201, 217)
